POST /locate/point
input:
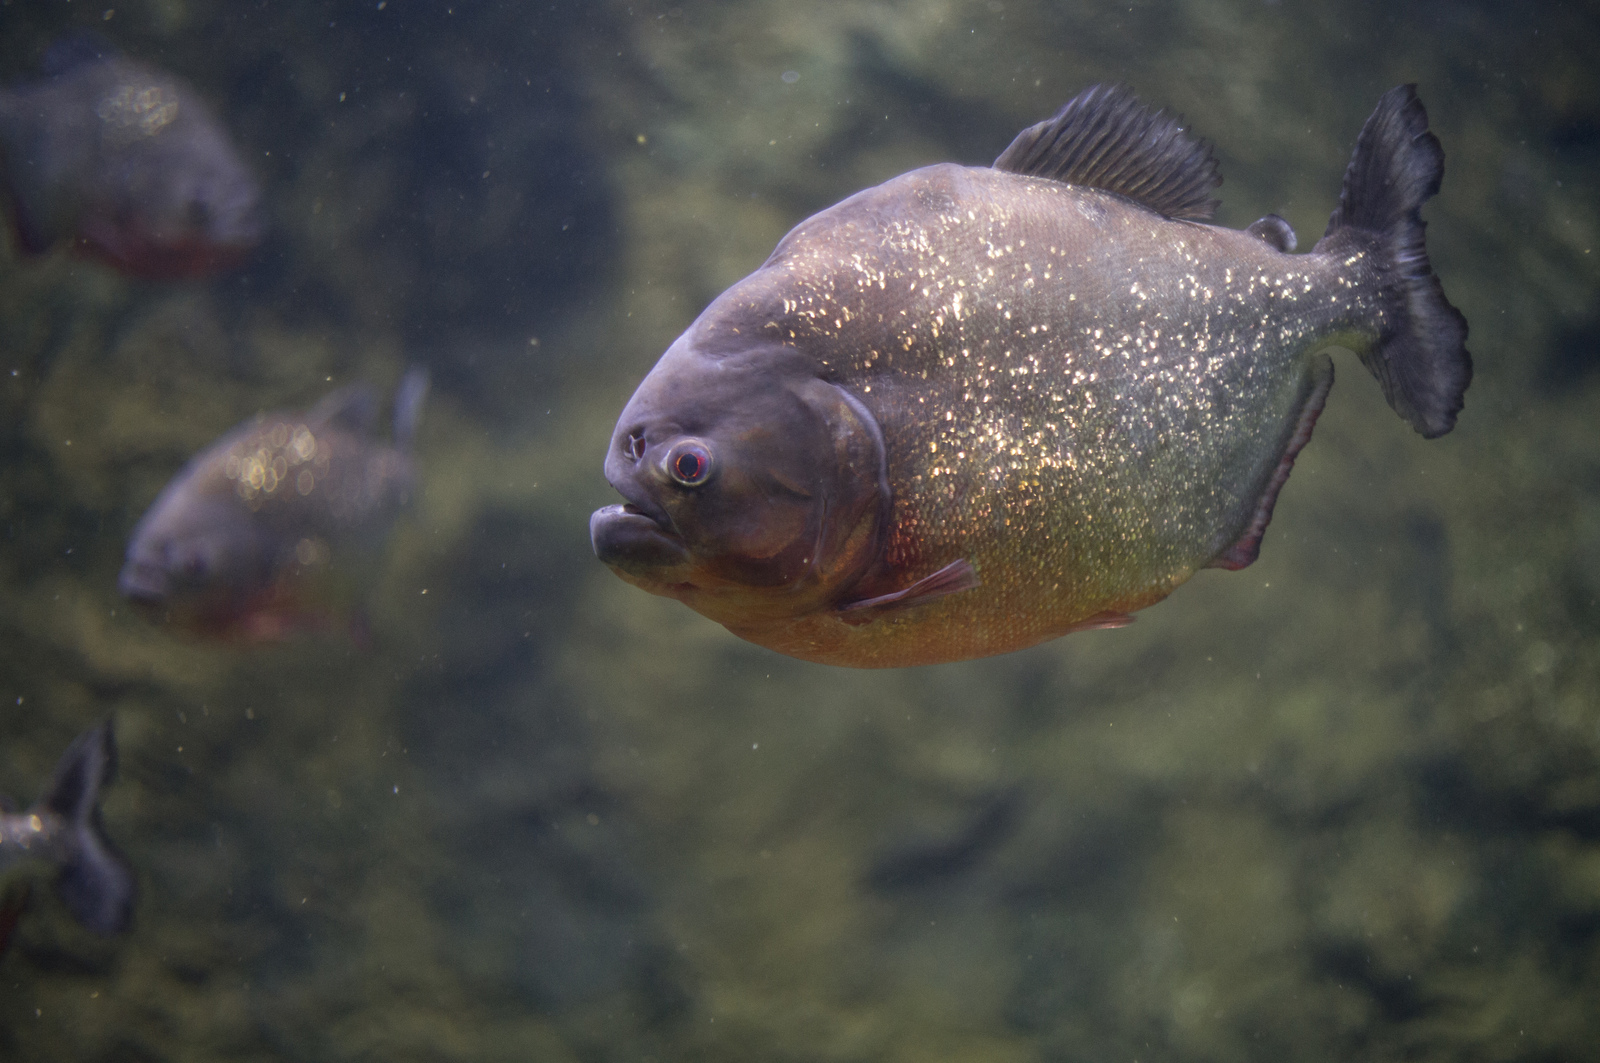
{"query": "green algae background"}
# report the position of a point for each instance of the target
(1342, 805)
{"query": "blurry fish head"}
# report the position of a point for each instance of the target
(195, 558)
(754, 487)
(193, 217)
(214, 201)
(177, 199)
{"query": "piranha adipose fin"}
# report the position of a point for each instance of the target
(1421, 359)
(1275, 232)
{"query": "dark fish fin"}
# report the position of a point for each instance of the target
(1105, 138)
(1248, 546)
(1275, 232)
(75, 50)
(353, 407)
(408, 399)
(955, 577)
(1106, 621)
(95, 881)
(33, 238)
(1421, 359)
(31, 199)
(14, 899)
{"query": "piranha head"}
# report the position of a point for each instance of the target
(186, 204)
(216, 204)
(755, 490)
(193, 558)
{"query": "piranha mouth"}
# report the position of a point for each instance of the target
(627, 538)
(142, 584)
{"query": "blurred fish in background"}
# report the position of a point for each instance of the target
(124, 162)
(270, 530)
(63, 829)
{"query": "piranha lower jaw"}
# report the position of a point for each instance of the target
(654, 559)
(636, 545)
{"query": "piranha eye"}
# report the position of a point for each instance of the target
(689, 463)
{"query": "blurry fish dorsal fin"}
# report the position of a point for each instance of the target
(353, 407)
(1275, 232)
(408, 398)
(1105, 138)
(75, 50)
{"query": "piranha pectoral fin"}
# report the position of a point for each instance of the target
(955, 577)
(1247, 547)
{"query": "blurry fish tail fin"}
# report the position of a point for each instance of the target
(408, 399)
(95, 881)
(1420, 358)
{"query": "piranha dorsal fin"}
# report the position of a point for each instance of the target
(1105, 138)
(955, 577)
(408, 405)
(1275, 232)
(353, 408)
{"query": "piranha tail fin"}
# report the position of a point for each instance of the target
(95, 881)
(1420, 358)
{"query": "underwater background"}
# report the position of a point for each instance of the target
(1341, 805)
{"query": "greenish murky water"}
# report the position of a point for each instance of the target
(1344, 804)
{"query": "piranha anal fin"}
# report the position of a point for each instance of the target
(1421, 359)
(955, 577)
(1107, 621)
(1247, 548)
(1105, 138)
(1275, 232)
